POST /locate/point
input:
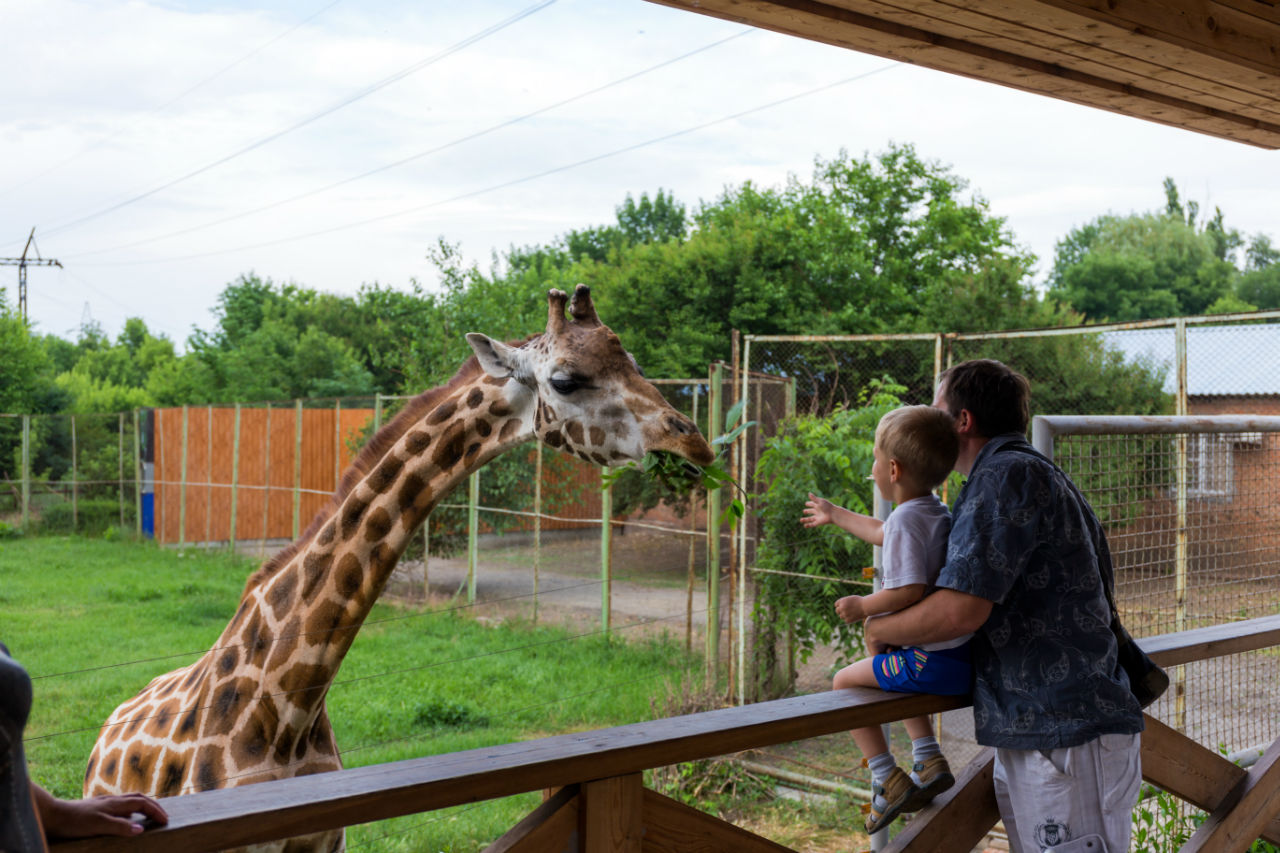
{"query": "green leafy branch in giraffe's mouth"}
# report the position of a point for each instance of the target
(681, 477)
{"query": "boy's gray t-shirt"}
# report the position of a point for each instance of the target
(915, 549)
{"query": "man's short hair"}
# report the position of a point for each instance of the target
(997, 396)
(923, 440)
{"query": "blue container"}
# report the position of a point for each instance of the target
(149, 515)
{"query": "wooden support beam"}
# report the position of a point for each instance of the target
(1203, 26)
(1184, 768)
(672, 827)
(957, 820)
(1245, 811)
(550, 828)
(612, 814)
(927, 35)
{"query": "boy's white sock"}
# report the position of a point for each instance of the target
(881, 766)
(923, 748)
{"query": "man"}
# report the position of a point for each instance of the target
(29, 812)
(1024, 572)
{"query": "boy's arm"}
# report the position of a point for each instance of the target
(854, 608)
(819, 511)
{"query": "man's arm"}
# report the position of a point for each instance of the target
(944, 615)
(105, 815)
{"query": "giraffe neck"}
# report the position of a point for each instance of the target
(311, 601)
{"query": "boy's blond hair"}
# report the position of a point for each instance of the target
(923, 440)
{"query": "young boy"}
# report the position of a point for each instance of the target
(915, 449)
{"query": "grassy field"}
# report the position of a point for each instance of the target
(94, 621)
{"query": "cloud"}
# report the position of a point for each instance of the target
(107, 111)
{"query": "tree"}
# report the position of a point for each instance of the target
(1147, 265)
(1259, 284)
(25, 374)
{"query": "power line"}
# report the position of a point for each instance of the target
(412, 157)
(514, 182)
(164, 106)
(369, 90)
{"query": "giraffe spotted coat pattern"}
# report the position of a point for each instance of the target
(253, 707)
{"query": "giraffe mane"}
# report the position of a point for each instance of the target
(368, 458)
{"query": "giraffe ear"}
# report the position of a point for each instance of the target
(496, 358)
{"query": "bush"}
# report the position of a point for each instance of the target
(92, 517)
(831, 457)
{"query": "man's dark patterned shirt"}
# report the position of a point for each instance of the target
(1045, 671)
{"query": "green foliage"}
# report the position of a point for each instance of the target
(890, 243)
(1159, 826)
(1161, 264)
(1141, 267)
(662, 477)
(91, 517)
(830, 457)
(24, 370)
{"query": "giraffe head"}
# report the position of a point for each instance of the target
(586, 392)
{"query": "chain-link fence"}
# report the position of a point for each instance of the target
(533, 535)
(1196, 366)
(529, 529)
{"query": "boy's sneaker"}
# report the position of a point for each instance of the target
(888, 800)
(930, 778)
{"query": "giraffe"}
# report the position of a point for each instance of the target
(253, 707)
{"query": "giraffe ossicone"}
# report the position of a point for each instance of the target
(252, 708)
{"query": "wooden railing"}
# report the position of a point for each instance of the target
(600, 804)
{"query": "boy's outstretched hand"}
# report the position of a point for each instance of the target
(817, 512)
(850, 609)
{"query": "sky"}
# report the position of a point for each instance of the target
(161, 148)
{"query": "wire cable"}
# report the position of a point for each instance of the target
(471, 137)
(511, 183)
(164, 106)
(363, 93)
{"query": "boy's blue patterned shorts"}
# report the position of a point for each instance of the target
(946, 672)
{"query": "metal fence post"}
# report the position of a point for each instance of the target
(1180, 543)
(715, 403)
(137, 475)
(266, 485)
(742, 530)
(606, 555)
(693, 530)
(297, 467)
(235, 475)
(120, 474)
(473, 533)
(537, 522)
(26, 471)
(182, 486)
(75, 479)
(208, 475)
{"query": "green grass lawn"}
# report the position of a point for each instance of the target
(94, 621)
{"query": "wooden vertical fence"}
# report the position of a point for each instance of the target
(265, 470)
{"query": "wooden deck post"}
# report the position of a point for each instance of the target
(612, 811)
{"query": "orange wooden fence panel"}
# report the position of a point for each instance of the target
(264, 491)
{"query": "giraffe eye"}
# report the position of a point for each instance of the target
(565, 385)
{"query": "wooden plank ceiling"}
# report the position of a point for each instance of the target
(1212, 66)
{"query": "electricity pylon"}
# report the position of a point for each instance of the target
(22, 263)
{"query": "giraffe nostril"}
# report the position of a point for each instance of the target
(682, 425)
